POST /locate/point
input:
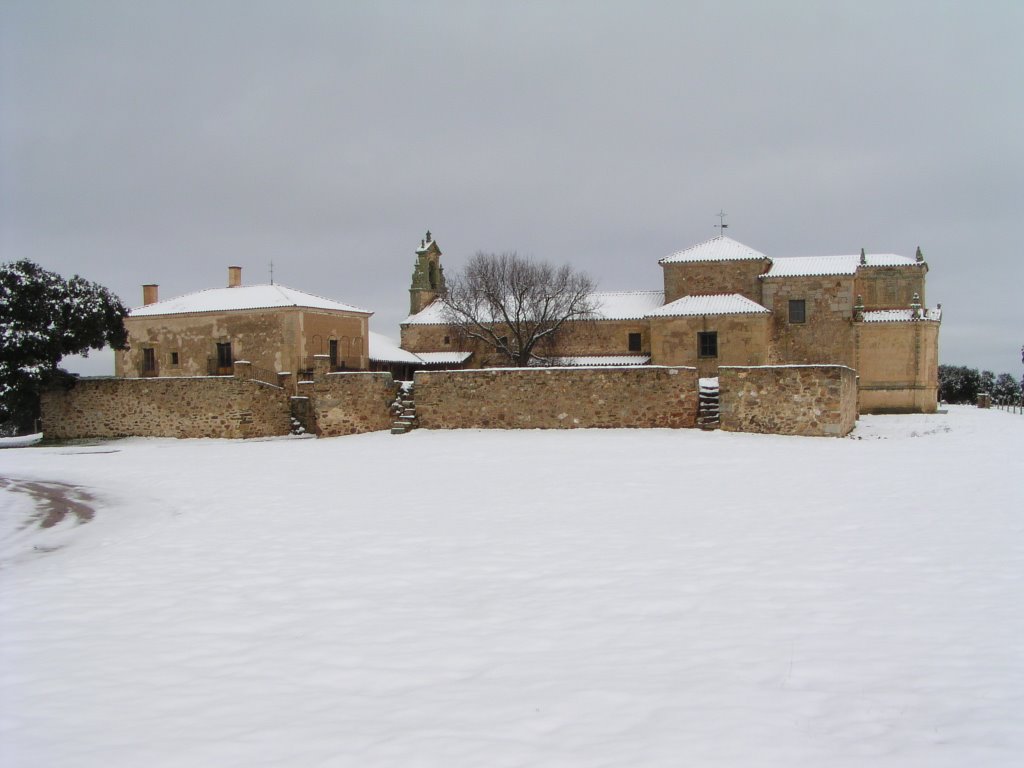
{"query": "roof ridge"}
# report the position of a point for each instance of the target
(734, 251)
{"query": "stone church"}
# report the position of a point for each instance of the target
(726, 304)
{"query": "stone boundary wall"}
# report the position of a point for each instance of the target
(348, 403)
(206, 406)
(812, 400)
(557, 398)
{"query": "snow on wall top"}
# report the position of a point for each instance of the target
(609, 305)
(900, 315)
(386, 350)
(242, 297)
(711, 304)
(719, 248)
(813, 266)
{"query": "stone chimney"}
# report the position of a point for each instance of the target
(150, 294)
(234, 277)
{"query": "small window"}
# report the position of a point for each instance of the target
(333, 352)
(634, 342)
(149, 360)
(707, 344)
(797, 310)
(174, 358)
(447, 340)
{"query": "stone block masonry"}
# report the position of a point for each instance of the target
(811, 400)
(214, 406)
(557, 398)
(348, 403)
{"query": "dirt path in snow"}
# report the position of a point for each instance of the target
(53, 501)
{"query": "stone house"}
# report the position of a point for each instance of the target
(275, 328)
(726, 304)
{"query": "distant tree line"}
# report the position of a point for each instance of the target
(960, 384)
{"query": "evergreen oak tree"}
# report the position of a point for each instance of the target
(44, 317)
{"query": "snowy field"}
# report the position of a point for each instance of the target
(582, 598)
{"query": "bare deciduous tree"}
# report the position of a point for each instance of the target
(516, 305)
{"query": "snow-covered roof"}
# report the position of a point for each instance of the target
(719, 248)
(900, 315)
(626, 305)
(427, 245)
(591, 361)
(386, 350)
(432, 314)
(710, 304)
(609, 305)
(812, 266)
(443, 358)
(242, 297)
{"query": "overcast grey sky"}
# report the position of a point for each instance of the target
(162, 141)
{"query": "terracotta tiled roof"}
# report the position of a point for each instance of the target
(609, 305)
(711, 304)
(900, 315)
(435, 358)
(719, 248)
(385, 350)
(242, 297)
(811, 266)
(601, 360)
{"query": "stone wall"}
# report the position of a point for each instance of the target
(220, 406)
(811, 400)
(898, 366)
(557, 398)
(580, 337)
(742, 340)
(695, 277)
(348, 403)
(272, 339)
(826, 335)
(890, 287)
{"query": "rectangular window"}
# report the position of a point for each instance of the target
(333, 352)
(174, 358)
(224, 359)
(707, 344)
(797, 310)
(149, 360)
(634, 342)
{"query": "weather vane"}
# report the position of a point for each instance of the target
(721, 221)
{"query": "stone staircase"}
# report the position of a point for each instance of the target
(707, 414)
(403, 410)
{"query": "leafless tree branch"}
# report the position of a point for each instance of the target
(516, 305)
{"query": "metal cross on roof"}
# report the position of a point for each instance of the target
(721, 225)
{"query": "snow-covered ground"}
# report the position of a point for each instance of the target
(524, 598)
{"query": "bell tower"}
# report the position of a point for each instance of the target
(427, 276)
